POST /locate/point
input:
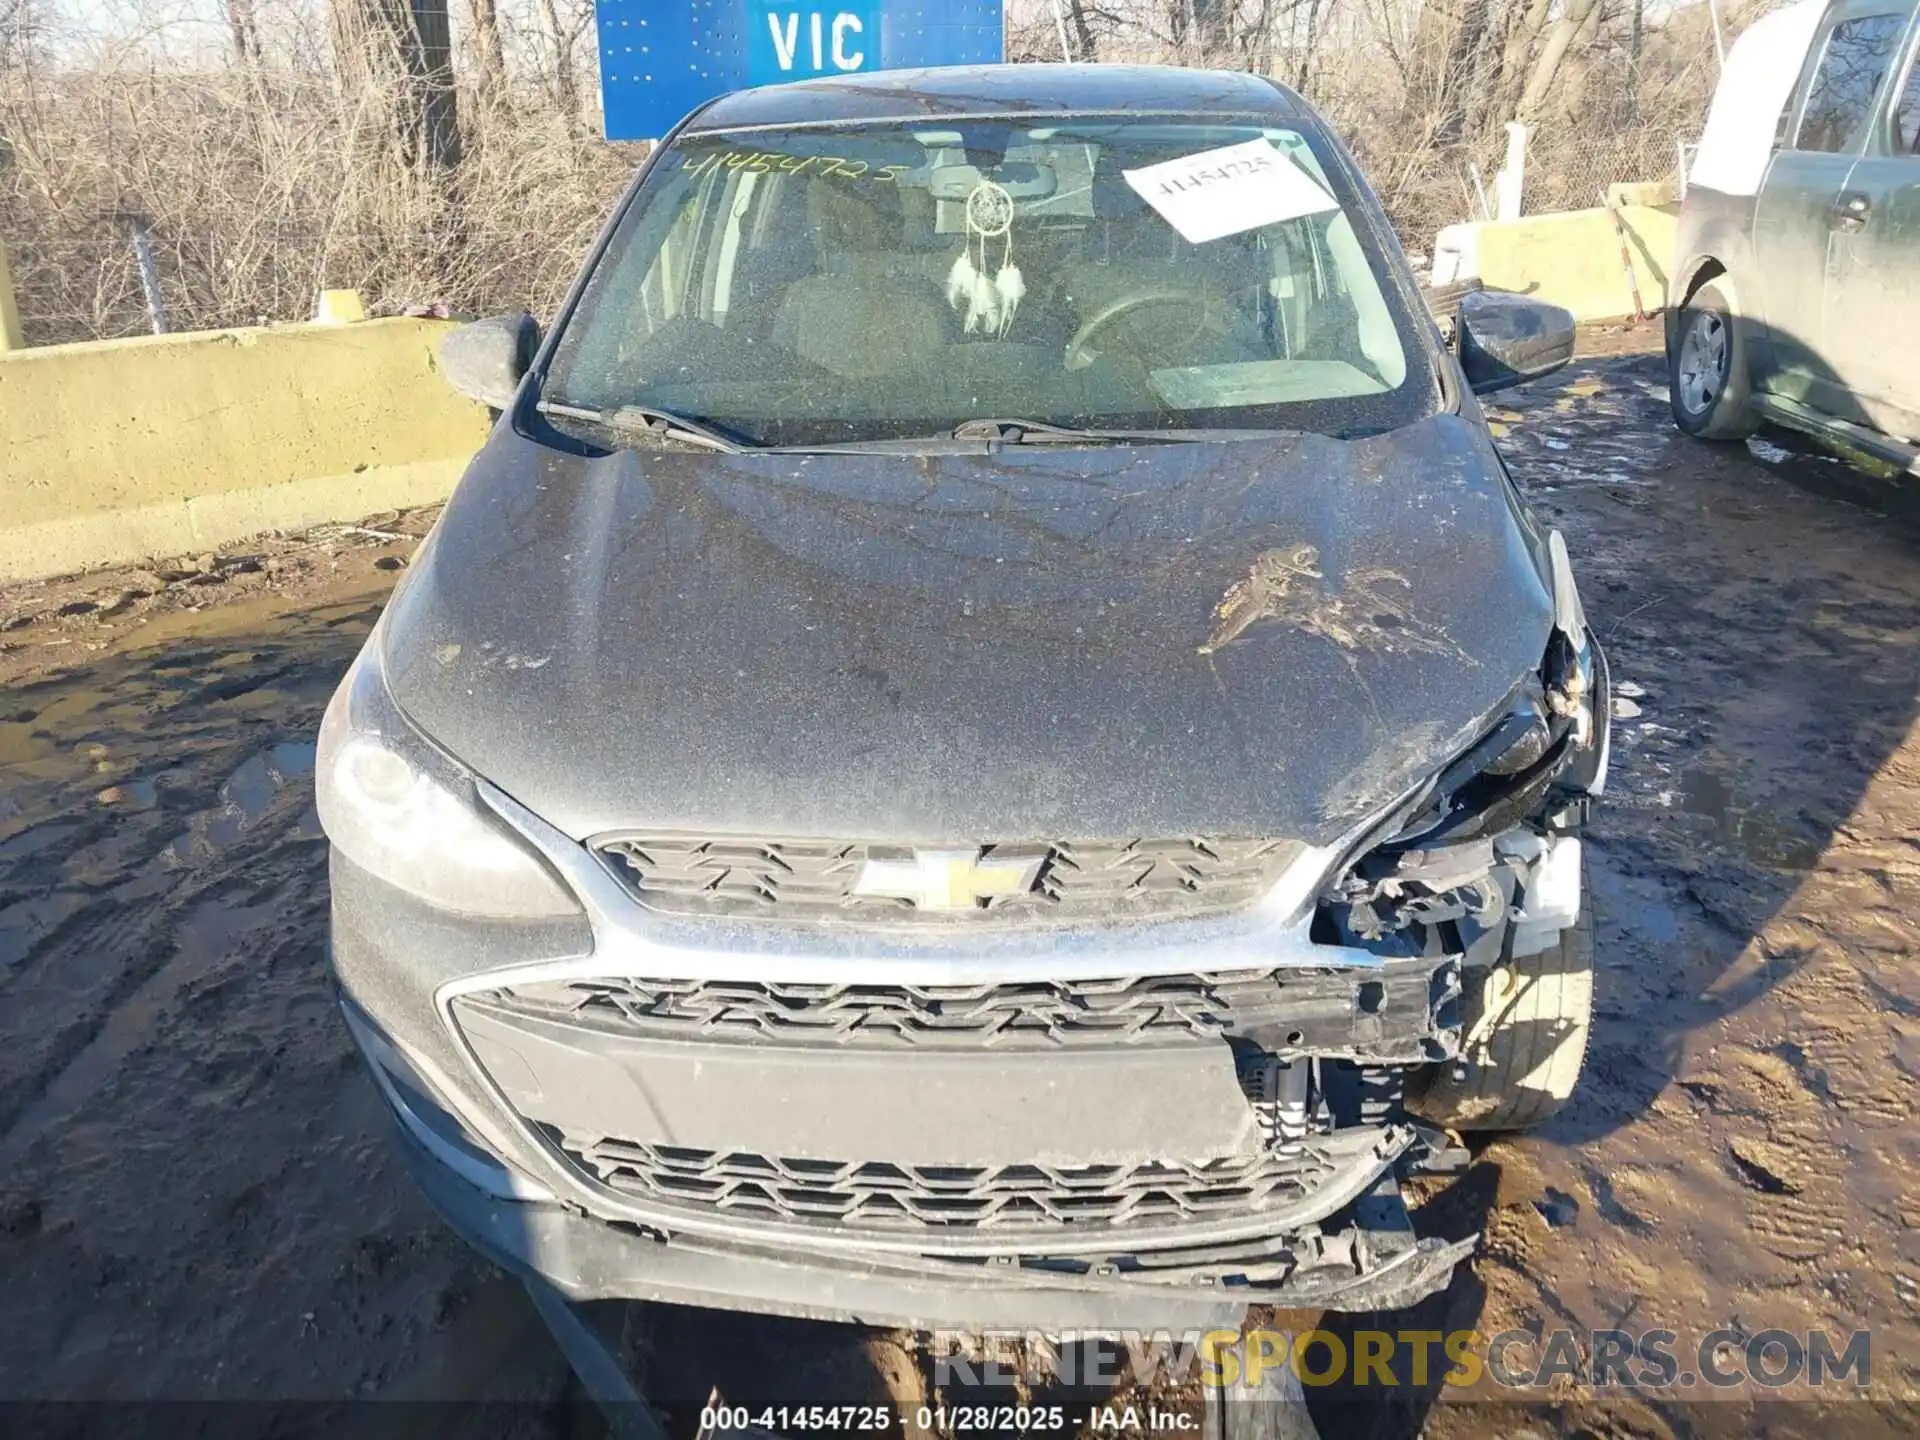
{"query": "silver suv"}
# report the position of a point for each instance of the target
(1795, 294)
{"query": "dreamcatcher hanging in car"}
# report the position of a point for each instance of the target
(989, 301)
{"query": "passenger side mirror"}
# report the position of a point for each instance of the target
(485, 360)
(1505, 339)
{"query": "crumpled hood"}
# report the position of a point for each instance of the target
(1244, 639)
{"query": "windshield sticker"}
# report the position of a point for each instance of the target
(1225, 191)
(768, 162)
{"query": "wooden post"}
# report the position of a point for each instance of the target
(10, 337)
(1509, 184)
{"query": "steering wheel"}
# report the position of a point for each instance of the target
(1081, 350)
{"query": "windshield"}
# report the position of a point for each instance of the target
(823, 285)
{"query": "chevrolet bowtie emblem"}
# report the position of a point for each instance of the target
(952, 879)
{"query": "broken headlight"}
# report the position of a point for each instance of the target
(1496, 784)
(1553, 736)
(1439, 860)
(400, 808)
(1437, 865)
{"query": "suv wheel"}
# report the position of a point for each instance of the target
(1707, 370)
(1526, 1022)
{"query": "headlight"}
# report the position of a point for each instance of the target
(406, 812)
(1493, 786)
(1433, 859)
(1553, 734)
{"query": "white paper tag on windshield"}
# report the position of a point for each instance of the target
(1222, 192)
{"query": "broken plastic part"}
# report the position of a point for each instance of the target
(1568, 614)
(1390, 892)
(1570, 688)
(1551, 901)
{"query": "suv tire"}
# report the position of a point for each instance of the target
(1707, 370)
(1519, 1064)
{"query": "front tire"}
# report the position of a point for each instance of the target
(1707, 370)
(1526, 1023)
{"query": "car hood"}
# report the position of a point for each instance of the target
(1269, 638)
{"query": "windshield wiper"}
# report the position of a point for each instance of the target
(651, 420)
(1046, 432)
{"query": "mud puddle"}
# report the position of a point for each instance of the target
(197, 1196)
(196, 1187)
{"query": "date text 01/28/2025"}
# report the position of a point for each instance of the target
(950, 1419)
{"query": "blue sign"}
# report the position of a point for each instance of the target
(789, 43)
(660, 59)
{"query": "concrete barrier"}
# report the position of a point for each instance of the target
(1571, 258)
(119, 450)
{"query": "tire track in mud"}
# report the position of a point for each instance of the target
(118, 1017)
(199, 831)
(197, 1194)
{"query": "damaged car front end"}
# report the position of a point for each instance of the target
(931, 869)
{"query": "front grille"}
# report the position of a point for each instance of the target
(878, 1195)
(1078, 881)
(1013, 1014)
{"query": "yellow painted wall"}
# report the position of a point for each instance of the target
(1571, 258)
(162, 445)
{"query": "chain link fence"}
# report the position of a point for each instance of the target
(1573, 172)
(88, 284)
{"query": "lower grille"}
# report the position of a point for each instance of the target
(1044, 1011)
(1405, 1011)
(879, 1196)
(1078, 881)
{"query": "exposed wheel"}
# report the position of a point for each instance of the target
(1707, 370)
(1526, 1024)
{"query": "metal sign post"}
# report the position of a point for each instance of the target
(660, 59)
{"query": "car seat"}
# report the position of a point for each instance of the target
(869, 310)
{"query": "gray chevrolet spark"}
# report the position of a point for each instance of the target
(988, 740)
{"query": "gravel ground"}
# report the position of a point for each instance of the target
(196, 1195)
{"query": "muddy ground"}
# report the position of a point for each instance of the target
(197, 1199)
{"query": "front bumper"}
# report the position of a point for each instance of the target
(609, 1162)
(587, 1258)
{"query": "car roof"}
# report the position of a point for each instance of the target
(1026, 92)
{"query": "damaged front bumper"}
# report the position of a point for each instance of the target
(1372, 1266)
(1137, 1127)
(1084, 1153)
(1297, 1211)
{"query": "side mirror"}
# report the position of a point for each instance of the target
(485, 360)
(1505, 339)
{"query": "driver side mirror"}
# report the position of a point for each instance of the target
(1505, 339)
(485, 360)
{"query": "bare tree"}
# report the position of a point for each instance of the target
(1080, 15)
(1318, 12)
(483, 40)
(562, 24)
(1553, 53)
(246, 35)
(20, 27)
(1213, 25)
(1524, 32)
(398, 55)
(331, 161)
